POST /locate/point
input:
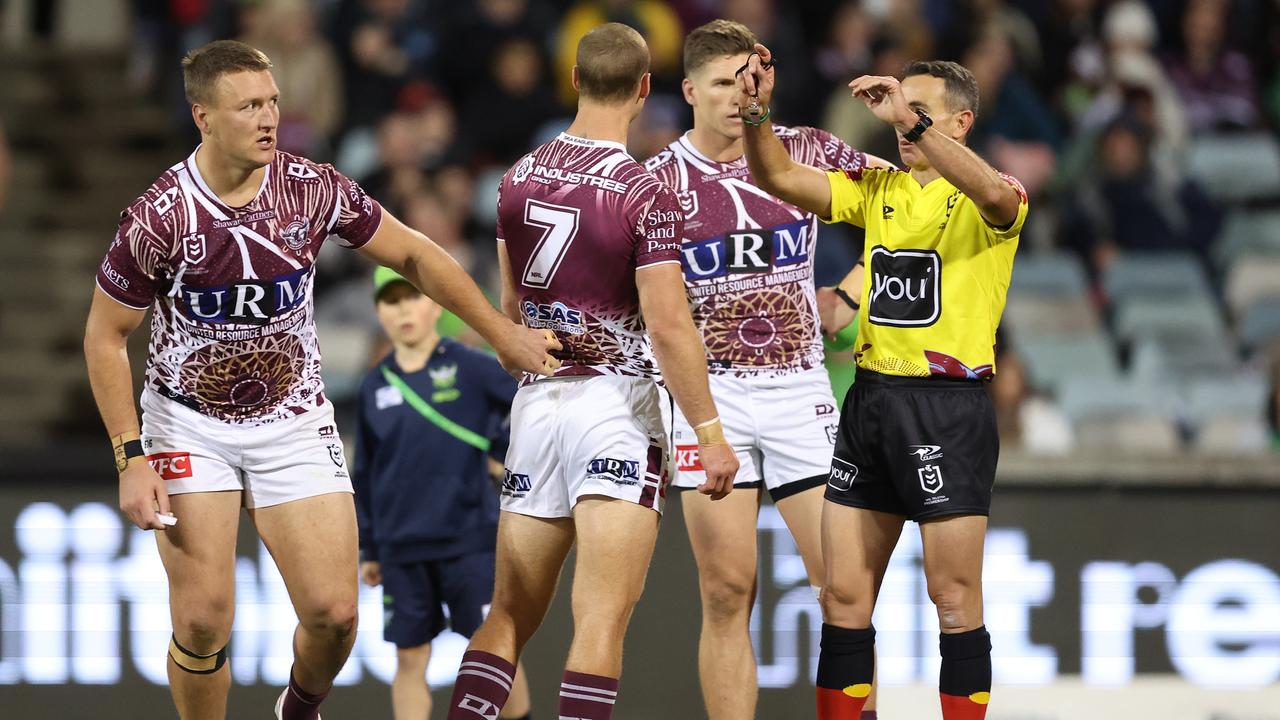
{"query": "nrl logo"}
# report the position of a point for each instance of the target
(193, 248)
(688, 202)
(295, 233)
(335, 454)
(444, 377)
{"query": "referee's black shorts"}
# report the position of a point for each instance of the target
(918, 447)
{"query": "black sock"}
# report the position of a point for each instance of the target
(846, 667)
(966, 673)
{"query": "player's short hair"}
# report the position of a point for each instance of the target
(961, 86)
(202, 67)
(611, 60)
(716, 39)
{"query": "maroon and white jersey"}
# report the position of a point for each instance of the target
(748, 256)
(578, 218)
(232, 327)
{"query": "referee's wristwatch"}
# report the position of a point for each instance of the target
(126, 451)
(925, 122)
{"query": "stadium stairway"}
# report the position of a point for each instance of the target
(82, 147)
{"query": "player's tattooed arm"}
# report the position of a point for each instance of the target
(433, 271)
(771, 165)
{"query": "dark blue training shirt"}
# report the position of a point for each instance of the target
(422, 494)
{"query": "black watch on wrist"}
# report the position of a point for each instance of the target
(925, 123)
(125, 452)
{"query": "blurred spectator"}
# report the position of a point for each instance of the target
(1073, 57)
(306, 70)
(1025, 420)
(480, 29)
(427, 213)
(847, 52)
(778, 27)
(384, 46)
(1124, 204)
(502, 112)
(1014, 129)
(660, 123)
(1216, 83)
(975, 18)
(401, 161)
(850, 120)
(655, 20)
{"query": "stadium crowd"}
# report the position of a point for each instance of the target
(1145, 308)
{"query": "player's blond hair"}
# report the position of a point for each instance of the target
(202, 67)
(716, 39)
(611, 60)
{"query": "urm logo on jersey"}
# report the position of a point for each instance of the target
(747, 251)
(252, 302)
(906, 287)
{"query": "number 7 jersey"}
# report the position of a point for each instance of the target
(578, 218)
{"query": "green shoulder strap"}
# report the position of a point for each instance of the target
(416, 402)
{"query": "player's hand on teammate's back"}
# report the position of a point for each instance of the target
(371, 573)
(142, 494)
(529, 350)
(721, 465)
(834, 313)
(883, 97)
(755, 81)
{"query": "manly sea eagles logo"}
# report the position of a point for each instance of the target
(193, 248)
(295, 233)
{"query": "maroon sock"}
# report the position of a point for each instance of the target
(483, 684)
(587, 697)
(300, 704)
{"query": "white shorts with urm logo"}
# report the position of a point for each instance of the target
(783, 429)
(273, 463)
(570, 438)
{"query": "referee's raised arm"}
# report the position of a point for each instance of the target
(772, 167)
(996, 198)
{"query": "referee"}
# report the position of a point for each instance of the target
(428, 514)
(917, 438)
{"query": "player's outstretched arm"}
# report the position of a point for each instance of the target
(683, 362)
(996, 198)
(440, 277)
(106, 353)
(771, 165)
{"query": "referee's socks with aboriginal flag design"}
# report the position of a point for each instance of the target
(965, 682)
(846, 667)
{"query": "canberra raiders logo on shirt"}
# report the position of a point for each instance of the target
(906, 287)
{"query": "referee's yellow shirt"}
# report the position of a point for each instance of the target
(936, 273)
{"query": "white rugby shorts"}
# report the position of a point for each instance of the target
(272, 463)
(783, 429)
(599, 435)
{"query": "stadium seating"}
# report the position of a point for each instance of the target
(1236, 168)
(1155, 274)
(1252, 278)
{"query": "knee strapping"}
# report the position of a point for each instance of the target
(197, 664)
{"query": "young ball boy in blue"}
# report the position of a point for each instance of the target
(427, 509)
